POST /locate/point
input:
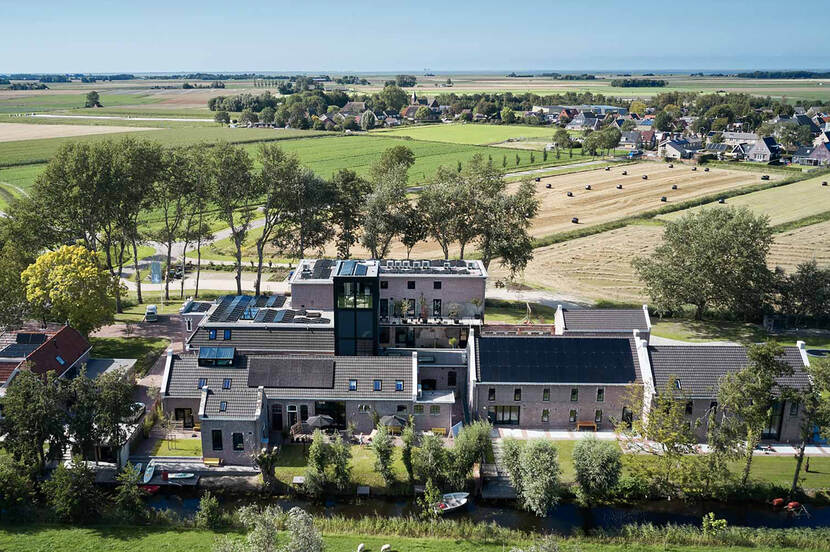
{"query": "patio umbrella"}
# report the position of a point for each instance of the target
(320, 421)
(393, 421)
(301, 428)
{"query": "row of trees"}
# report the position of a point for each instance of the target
(734, 424)
(716, 260)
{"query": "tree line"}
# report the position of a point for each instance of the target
(112, 196)
(639, 83)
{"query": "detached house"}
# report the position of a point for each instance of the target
(764, 150)
(62, 350)
(631, 139)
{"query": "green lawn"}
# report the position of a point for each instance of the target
(293, 461)
(716, 330)
(178, 447)
(145, 349)
(471, 133)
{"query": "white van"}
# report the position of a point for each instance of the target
(151, 314)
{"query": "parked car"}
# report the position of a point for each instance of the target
(151, 313)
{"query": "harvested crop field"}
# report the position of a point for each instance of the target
(599, 266)
(594, 267)
(801, 245)
(604, 202)
(13, 132)
(783, 204)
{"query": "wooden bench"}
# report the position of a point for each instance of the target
(212, 462)
(590, 426)
(442, 431)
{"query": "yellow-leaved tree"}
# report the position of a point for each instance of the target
(70, 285)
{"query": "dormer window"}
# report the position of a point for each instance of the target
(223, 406)
(226, 383)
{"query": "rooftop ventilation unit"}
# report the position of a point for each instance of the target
(405, 264)
(390, 263)
(416, 264)
(397, 264)
(447, 265)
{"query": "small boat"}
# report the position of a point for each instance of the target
(148, 473)
(451, 502)
(180, 475)
(150, 489)
(138, 467)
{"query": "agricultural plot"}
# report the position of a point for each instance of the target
(594, 267)
(326, 155)
(599, 266)
(604, 202)
(12, 132)
(40, 151)
(783, 204)
(476, 134)
(801, 245)
(45, 100)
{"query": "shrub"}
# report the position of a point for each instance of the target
(598, 465)
(382, 447)
(130, 497)
(72, 494)
(209, 515)
(304, 537)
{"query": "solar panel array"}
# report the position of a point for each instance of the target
(263, 309)
(322, 269)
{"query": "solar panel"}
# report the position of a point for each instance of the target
(32, 338)
(322, 269)
(260, 316)
(224, 302)
(216, 353)
(347, 268)
(361, 270)
(278, 316)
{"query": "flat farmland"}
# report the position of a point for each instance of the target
(24, 101)
(604, 202)
(594, 267)
(472, 133)
(782, 204)
(801, 245)
(37, 151)
(326, 155)
(11, 132)
(599, 266)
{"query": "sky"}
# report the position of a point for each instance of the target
(373, 36)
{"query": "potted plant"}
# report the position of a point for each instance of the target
(453, 342)
(453, 312)
(422, 305)
(403, 306)
(476, 302)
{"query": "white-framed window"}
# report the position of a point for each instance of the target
(572, 415)
(545, 415)
(364, 408)
(601, 394)
(434, 410)
(418, 409)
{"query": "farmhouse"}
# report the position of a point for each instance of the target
(764, 150)
(631, 139)
(678, 148)
(820, 155)
(735, 138)
(697, 372)
(59, 349)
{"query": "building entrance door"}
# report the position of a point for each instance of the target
(276, 416)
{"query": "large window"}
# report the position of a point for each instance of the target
(436, 308)
(503, 415)
(434, 410)
(601, 394)
(418, 409)
(451, 378)
(545, 415)
(598, 416)
(574, 394)
(546, 394)
(491, 394)
(238, 441)
(216, 437)
(303, 412)
(384, 307)
(572, 416)
(517, 394)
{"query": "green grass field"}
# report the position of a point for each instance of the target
(178, 447)
(782, 204)
(34, 101)
(144, 349)
(40, 151)
(476, 134)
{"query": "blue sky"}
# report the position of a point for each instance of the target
(451, 35)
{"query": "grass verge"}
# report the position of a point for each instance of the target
(145, 349)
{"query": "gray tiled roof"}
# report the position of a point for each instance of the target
(240, 403)
(701, 367)
(624, 320)
(185, 373)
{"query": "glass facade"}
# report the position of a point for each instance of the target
(356, 314)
